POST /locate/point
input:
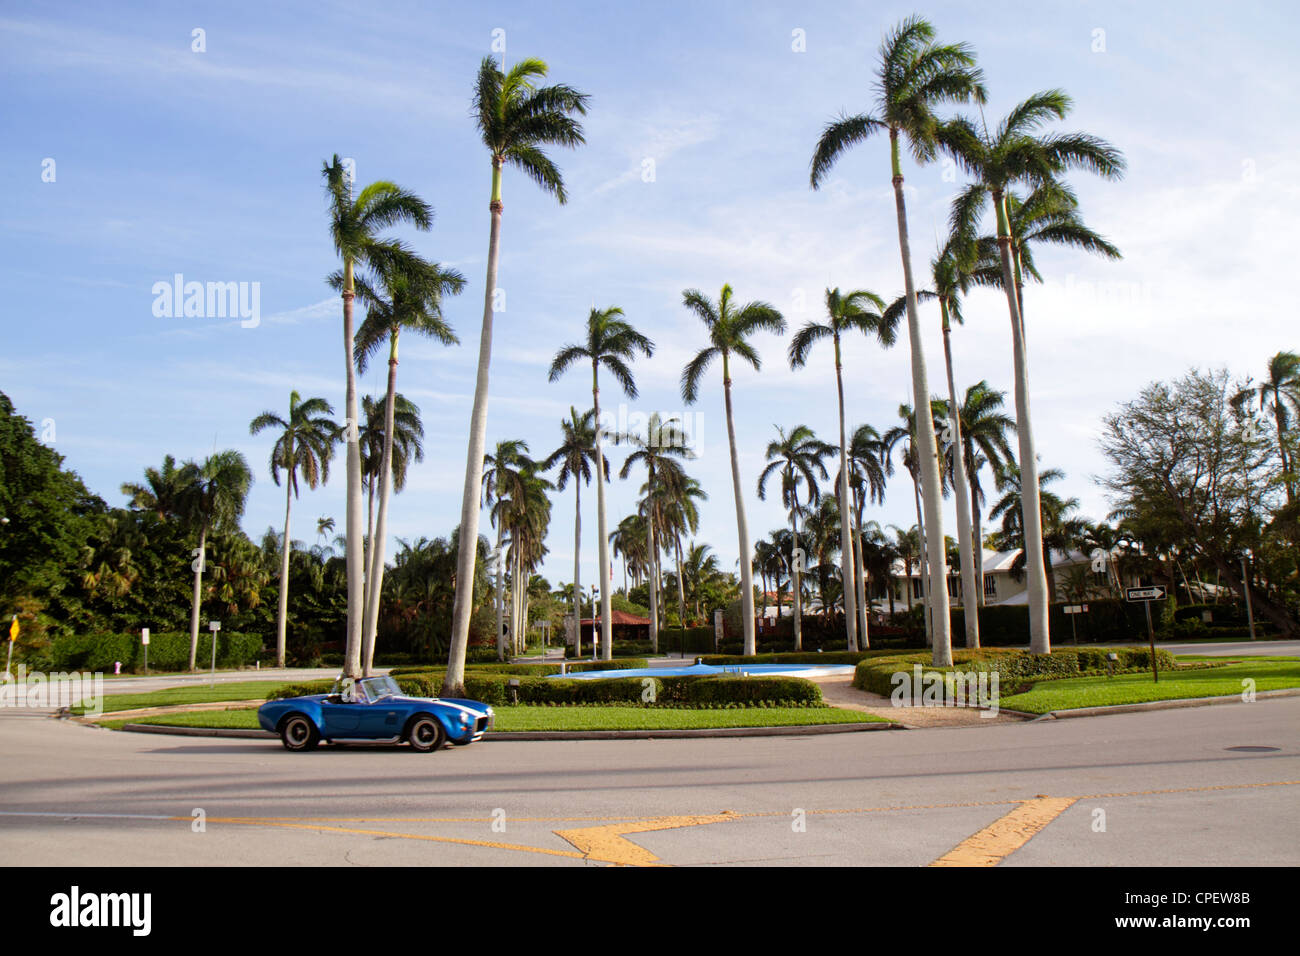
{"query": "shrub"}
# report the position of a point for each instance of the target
(167, 651)
(309, 689)
(1016, 669)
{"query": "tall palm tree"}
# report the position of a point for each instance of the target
(408, 446)
(934, 598)
(822, 524)
(1016, 154)
(730, 326)
(916, 74)
(628, 541)
(575, 456)
(1280, 393)
(516, 118)
(866, 482)
(858, 311)
(681, 516)
(354, 227)
(984, 430)
(502, 480)
(1047, 216)
(305, 443)
(408, 295)
(950, 271)
(798, 458)
(613, 343)
(528, 516)
(661, 452)
(214, 500)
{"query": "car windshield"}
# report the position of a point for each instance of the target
(380, 687)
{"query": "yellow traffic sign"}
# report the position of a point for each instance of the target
(13, 629)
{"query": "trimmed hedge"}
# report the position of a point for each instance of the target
(1015, 668)
(167, 651)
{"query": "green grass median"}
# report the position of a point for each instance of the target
(1076, 692)
(190, 694)
(526, 718)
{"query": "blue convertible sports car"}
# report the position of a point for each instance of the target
(373, 710)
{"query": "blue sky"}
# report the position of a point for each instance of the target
(208, 164)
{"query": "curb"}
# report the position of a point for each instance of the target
(1163, 705)
(810, 729)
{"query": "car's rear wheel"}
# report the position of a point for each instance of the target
(298, 733)
(426, 734)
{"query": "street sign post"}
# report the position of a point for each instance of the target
(13, 636)
(144, 642)
(214, 626)
(1072, 610)
(1155, 592)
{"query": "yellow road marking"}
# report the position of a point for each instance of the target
(607, 845)
(385, 833)
(1006, 834)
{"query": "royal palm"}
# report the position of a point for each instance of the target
(516, 117)
(303, 446)
(797, 457)
(915, 75)
(354, 227)
(1015, 153)
(730, 326)
(575, 456)
(408, 295)
(214, 501)
(613, 343)
(858, 311)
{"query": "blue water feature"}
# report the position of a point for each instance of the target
(709, 670)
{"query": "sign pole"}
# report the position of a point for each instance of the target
(1151, 636)
(1245, 588)
(13, 636)
(144, 642)
(214, 626)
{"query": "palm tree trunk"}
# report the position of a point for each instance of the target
(924, 568)
(577, 551)
(969, 594)
(848, 577)
(469, 505)
(978, 543)
(927, 454)
(602, 536)
(500, 569)
(1030, 507)
(860, 576)
(200, 563)
(282, 611)
(651, 577)
(797, 577)
(742, 526)
(375, 579)
(356, 568)
(681, 591)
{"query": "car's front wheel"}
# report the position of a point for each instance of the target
(298, 733)
(426, 734)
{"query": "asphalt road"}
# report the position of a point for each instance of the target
(1168, 787)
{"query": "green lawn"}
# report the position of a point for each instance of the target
(576, 718)
(1074, 692)
(191, 694)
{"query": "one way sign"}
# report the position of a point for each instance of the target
(1153, 593)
